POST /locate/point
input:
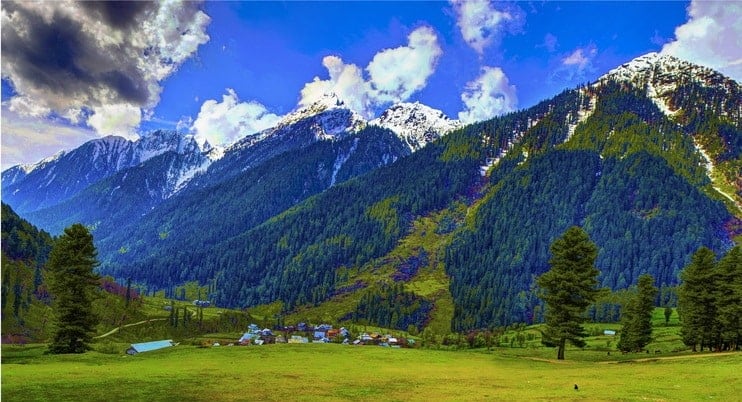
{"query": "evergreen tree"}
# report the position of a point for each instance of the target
(568, 288)
(637, 316)
(668, 314)
(73, 284)
(696, 299)
(728, 298)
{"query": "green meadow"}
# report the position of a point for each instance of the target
(333, 372)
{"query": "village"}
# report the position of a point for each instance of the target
(301, 333)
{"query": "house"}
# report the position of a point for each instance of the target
(319, 334)
(149, 346)
(298, 339)
(246, 338)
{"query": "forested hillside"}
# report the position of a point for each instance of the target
(650, 175)
(604, 157)
(166, 242)
(25, 249)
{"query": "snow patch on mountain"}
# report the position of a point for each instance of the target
(582, 114)
(341, 159)
(710, 171)
(416, 124)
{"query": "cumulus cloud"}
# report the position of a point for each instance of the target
(64, 57)
(224, 122)
(711, 37)
(393, 75)
(481, 24)
(120, 119)
(487, 96)
(346, 81)
(398, 73)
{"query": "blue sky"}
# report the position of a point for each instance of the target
(222, 70)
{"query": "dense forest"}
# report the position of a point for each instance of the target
(25, 249)
(604, 157)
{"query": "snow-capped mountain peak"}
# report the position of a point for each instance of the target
(661, 75)
(416, 124)
(327, 103)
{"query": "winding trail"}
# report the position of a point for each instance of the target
(643, 359)
(650, 359)
(113, 331)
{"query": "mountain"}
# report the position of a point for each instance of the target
(491, 197)
(61, 177)
(416, 124)
(705, 102)
(328, 119)
(112, 181)
(326, 215)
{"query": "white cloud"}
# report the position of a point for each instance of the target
(575, 66)
(481, 24)
(393, 75)
(222, 123)
(487, 96)
(711, 37)
(63, 57)
(580, 58)
(26, 140)
(398, 73)
(346, 81)
(120, 119)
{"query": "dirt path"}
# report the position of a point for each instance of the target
(113, 331)
(650, 359)
(639, 360)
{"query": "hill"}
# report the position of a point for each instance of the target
(646, 160)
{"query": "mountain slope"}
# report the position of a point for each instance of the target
(324, 218)
(57, 179)
(124, 197)
(199, 218)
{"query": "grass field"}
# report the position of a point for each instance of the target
(339, 372)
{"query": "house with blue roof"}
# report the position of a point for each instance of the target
(149, 346)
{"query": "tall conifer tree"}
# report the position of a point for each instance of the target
(568, 288)
(637, 316)
(728, 299)
(73, 284)
(696, 302)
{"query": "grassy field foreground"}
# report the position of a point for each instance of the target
(339, 372)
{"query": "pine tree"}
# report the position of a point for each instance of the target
(637, 316)
(568, 289)
(728, 299)
(73, 284)
(696, 300)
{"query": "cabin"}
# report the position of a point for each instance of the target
(246, 338)
(136, 348)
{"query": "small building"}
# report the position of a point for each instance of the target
(298, 339)
(149, 346)
(609, 332)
